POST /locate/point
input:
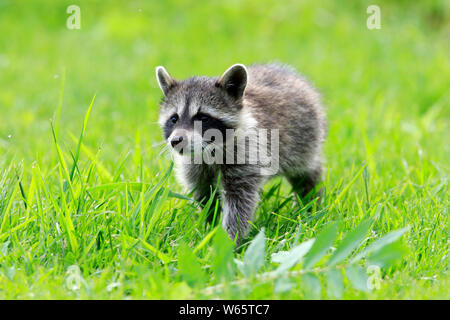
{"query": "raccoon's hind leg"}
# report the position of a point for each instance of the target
(305, 183)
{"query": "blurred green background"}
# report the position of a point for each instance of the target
(386, 93)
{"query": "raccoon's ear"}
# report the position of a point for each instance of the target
(234, 80)
(165, 81)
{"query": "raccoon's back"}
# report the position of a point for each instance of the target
(280, 98)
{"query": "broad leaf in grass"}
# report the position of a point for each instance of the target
(241, 267)
(293, 256)
(380, 243)
(311, 286)
(254, 256)
(222, 264)
(335, 283)
(9, 272)
(188, 266)
(357, 277)
(322, 244)
(279, 256)
(4, 248)
(387, 255)
(283, 284)
(351, 241)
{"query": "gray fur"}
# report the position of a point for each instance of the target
(260, 96)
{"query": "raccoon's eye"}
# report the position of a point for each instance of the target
(174, 118)
(203, 117)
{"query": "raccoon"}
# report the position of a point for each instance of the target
(243, 99)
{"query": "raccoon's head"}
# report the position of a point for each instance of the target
(195, 113)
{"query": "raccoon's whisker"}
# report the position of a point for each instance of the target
(159, 144)
(163, 146)
(206, 153)
(160, 153)
(164, 150)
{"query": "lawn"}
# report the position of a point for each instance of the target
(89, 206)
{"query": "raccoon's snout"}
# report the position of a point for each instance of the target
(176, 141)
(179, 143)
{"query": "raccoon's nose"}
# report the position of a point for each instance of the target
(176, 140)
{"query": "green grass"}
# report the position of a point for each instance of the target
(104, 203)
